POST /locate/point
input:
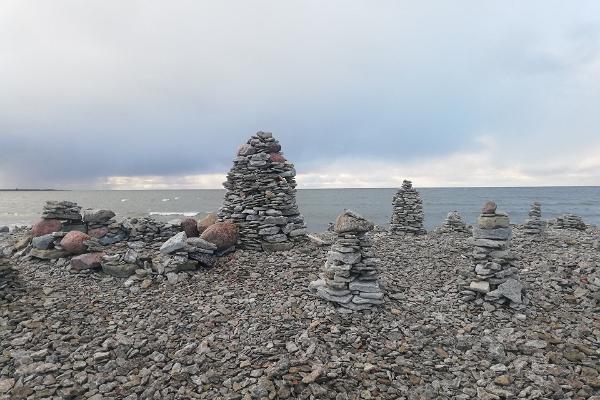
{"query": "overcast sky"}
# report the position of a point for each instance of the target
(159, 94)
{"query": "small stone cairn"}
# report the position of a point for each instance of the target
(261, 197)
(454, 223)
(68, 212)
(570, 221)
(534, 224)
(349, 276)
(497, 276)
(407, 214)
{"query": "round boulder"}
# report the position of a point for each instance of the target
(190, 227)
(222, 234)
(207, 221)
(73, 242)
(489, 208)
(45, 227)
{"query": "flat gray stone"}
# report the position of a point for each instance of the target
(512, 290)
(175, 243)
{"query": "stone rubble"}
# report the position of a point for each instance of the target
(249, 329)
(261, 197)
(496, 271)
(407, 213)
(534, 224)
(570, 221)
(454, 223)
(349, 276)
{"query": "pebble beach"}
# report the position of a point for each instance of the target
(250, 328)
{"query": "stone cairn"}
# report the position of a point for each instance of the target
(349, 276)
(454, 223)
(570, 221)
(407, 215)
(261, 197)
(68, 212)
(497, 276)
(534, 224)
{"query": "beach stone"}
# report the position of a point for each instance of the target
(489, 208)
(98, 233)
(45, 227)
(118, 270)
(277, 158)
(493, 221)
(74, 242)
(4, 229)
(51, 254)
(512, 290)
(175, 243)
(190, 227)
(204, 223)
(350, 221)
(86, 261)
(223, 234)
(246, 150)
(43, 242)
(494, 234)
(97, 215)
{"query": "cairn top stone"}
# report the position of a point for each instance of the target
(406, 184)
(489, 208)
(351, 221)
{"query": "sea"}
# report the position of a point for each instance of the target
(319, 206)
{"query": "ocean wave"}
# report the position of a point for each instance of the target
(165, 213)
(124, 199)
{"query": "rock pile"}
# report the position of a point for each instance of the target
(261, 196)
(534, 224)
(497, 275)
(454, 223)
(350, 274)
(407, 213)
(98, 221)
(57, 216)
(570, 221)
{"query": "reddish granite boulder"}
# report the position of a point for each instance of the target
(46, 226)
(73, 242)
(98, 233)
(489, 208)
(86, 261)
(190, 227)
(274, 148)
(205, 222)
(277, 157)
(223, 234)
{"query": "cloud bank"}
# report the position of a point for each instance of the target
(158, 94)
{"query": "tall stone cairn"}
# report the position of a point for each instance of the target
(454, 223)
(496, 273)
(349, 276)
(570, 221)
(534, 224)
(261, 197)
(407, 213)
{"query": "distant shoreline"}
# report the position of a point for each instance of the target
(33, 190)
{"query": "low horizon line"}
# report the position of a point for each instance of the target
(299, 188)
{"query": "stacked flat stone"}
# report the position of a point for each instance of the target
(261, 197)
(570, 221)
(496, 273)
(350, 274)
(454, 223)
(407, 213)
(534, 224)
(62, 210)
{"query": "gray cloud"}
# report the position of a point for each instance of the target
(129, 88)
